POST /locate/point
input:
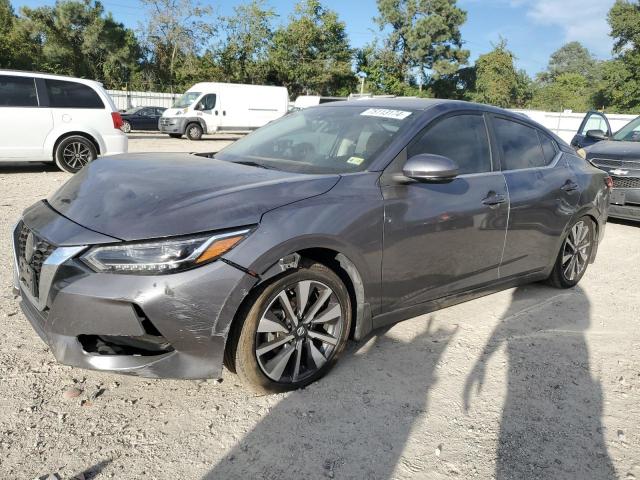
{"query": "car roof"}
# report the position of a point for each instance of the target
(24, 73)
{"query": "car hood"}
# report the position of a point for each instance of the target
(614, 150)
(134, 197)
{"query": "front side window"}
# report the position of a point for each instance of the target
(462, 138)
(520, 145)
(321, 140)
(63, 94)
(595, 122)
(17, 92)
(208, 102)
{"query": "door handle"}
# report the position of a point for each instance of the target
(224, 113)
(569, 186)
(216, 112)
(494, 199)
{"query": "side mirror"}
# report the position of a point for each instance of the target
(430, 168)
(597, 135)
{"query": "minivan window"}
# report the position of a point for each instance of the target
(186, 100)
(462, 138)
(519, 144)
(17, 92)
(63, 94)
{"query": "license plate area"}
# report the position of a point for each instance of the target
(28, 277)
(617, 197)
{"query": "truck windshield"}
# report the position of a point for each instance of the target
(186, 100)
(630, 132)
(320, 140)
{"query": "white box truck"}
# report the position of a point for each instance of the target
(213, 107)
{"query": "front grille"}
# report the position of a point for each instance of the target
(609, 163)
(40, 251)
(626, 182)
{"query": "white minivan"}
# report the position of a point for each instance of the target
(55, 118)
(212, 107)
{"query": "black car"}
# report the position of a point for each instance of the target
(141, 118)
(618, 155)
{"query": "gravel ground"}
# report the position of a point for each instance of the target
(531, 383)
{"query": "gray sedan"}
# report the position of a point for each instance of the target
(328, 223)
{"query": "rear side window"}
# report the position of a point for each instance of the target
(462, 138)
(17, 92)
(520, 145)
(64, 94)
(549, 148)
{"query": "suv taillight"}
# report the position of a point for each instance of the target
(608, 182)
(117, 120)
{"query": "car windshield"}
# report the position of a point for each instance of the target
(630, 132)
(320, 140)
(186, 100)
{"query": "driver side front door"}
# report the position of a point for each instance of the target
(445, 238)
(591, 121)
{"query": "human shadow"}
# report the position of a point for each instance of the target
(551, 420)
(352, 424)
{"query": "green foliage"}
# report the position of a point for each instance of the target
(17, 49)
(567, 91)
(572, 57)
(425, 35)
(497, 80)
(311, 54)
(244, 56)
(79, 39)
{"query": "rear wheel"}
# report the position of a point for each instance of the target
(126, 126)
(194, 131)
(574, 256)
(294, 331)
(75, 152)
(175, 135)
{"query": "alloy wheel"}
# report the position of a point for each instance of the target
(299, 331)
(126, 127)
(76, 155)
(576, 251)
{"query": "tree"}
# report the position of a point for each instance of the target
(497, 81)
(311, 54)
(80, 39)
(244, 54)
(425, 34)
(384, 74)
(570, 58)
(17, 48)
(567, 91)
(175, 33)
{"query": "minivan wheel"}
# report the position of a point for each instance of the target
(194, 131)
(126, 127)
(75, 152)
(294, 331)
(574, 256)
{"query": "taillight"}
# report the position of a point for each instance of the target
(117, 120)
(608, 182)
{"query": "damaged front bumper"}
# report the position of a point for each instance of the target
(169, 326)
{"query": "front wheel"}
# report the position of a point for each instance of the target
(75, 152)
(575, 254)
(294, 331)
(194, 131)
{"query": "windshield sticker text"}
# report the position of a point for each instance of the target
(386, 113)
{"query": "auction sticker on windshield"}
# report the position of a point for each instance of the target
(386, 113)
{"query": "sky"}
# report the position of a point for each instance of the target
(534, 29)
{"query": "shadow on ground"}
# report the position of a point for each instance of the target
(27, 167)
(551, 420)
(370, 421)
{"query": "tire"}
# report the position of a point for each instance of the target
(274, 354)
(74, 152)
(571, 263)
(175, 135)
(126, 126)
(194, 131)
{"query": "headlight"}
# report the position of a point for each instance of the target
(162, 256)
(581, 152)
